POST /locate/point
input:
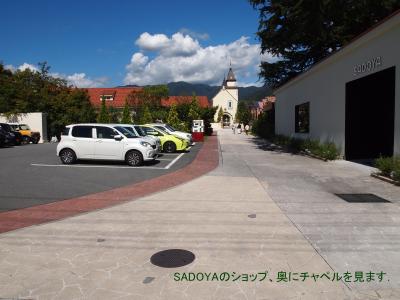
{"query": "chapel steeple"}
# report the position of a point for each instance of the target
(230, 81)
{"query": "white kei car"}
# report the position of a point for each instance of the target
(171, 130)
(103, 142)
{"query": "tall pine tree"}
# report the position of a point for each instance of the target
(126, 114)
(104, 116)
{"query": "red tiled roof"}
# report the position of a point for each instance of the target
(119, 94)
(202, 100)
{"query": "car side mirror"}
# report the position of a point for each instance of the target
(117, 137)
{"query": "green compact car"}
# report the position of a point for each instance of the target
(169, 143)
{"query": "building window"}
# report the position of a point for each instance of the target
(302, 118)
(107, 97)
(229, 104)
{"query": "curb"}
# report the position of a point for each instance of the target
(386, 179)
(205, 161)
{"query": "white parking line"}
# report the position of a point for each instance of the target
(96, 166)
(174, 161)
(119, 167)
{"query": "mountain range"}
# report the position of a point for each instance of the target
(248, 94)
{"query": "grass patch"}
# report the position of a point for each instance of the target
(327, 151)
(389, 167)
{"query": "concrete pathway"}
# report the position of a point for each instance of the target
(245, 218)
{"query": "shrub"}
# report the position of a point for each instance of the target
(310, 146)
(396, 172)
(296, 145)
(327, 151)
(281, 140)
(385, 165)
(389, 166)
(264, 126)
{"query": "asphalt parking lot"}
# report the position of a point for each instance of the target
(32, 175)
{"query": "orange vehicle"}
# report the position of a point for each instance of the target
(28, 136)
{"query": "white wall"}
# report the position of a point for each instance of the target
(37, 122)
(324, 86)
(221, 100)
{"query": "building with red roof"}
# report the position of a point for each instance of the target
(116, 97)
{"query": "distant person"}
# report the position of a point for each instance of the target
(239, 128)
(233, 129)
(246, 129)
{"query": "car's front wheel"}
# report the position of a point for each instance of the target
(134, 158)
(67, 156)
(169, 147)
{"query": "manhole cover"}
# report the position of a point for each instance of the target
(148, 280)
(252, 216)
(101, 240)
(172, 258)
(362, 198)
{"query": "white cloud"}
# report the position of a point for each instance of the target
(10, 67)
(196, 35)
(77, 79)
(150, 42)
(80, 80)
(182, 58)
(178, 45)
(25, 66)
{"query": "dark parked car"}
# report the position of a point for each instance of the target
(13, 137)
(3, 135)
(28, 135)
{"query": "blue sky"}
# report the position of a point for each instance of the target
(109, 43)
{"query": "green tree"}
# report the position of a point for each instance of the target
(146, 115)
(264, 126)
(68, 107)
(104, 116)
(220, 114)
(243, 114)
(126, 114)
(37, 91)
(173, 118)
(301, 33)
(149, 95)
(7, 90)
(207, 115)
(114, 114)
(194, 110)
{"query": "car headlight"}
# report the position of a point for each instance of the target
(145, 144)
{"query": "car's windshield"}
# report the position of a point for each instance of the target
(170, 127)
(140, 131)
(14, 127)
(129, 134)
(152, 131)
(160, 130)
(24, 127)
(131, 130)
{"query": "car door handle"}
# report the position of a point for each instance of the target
(99, 141)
